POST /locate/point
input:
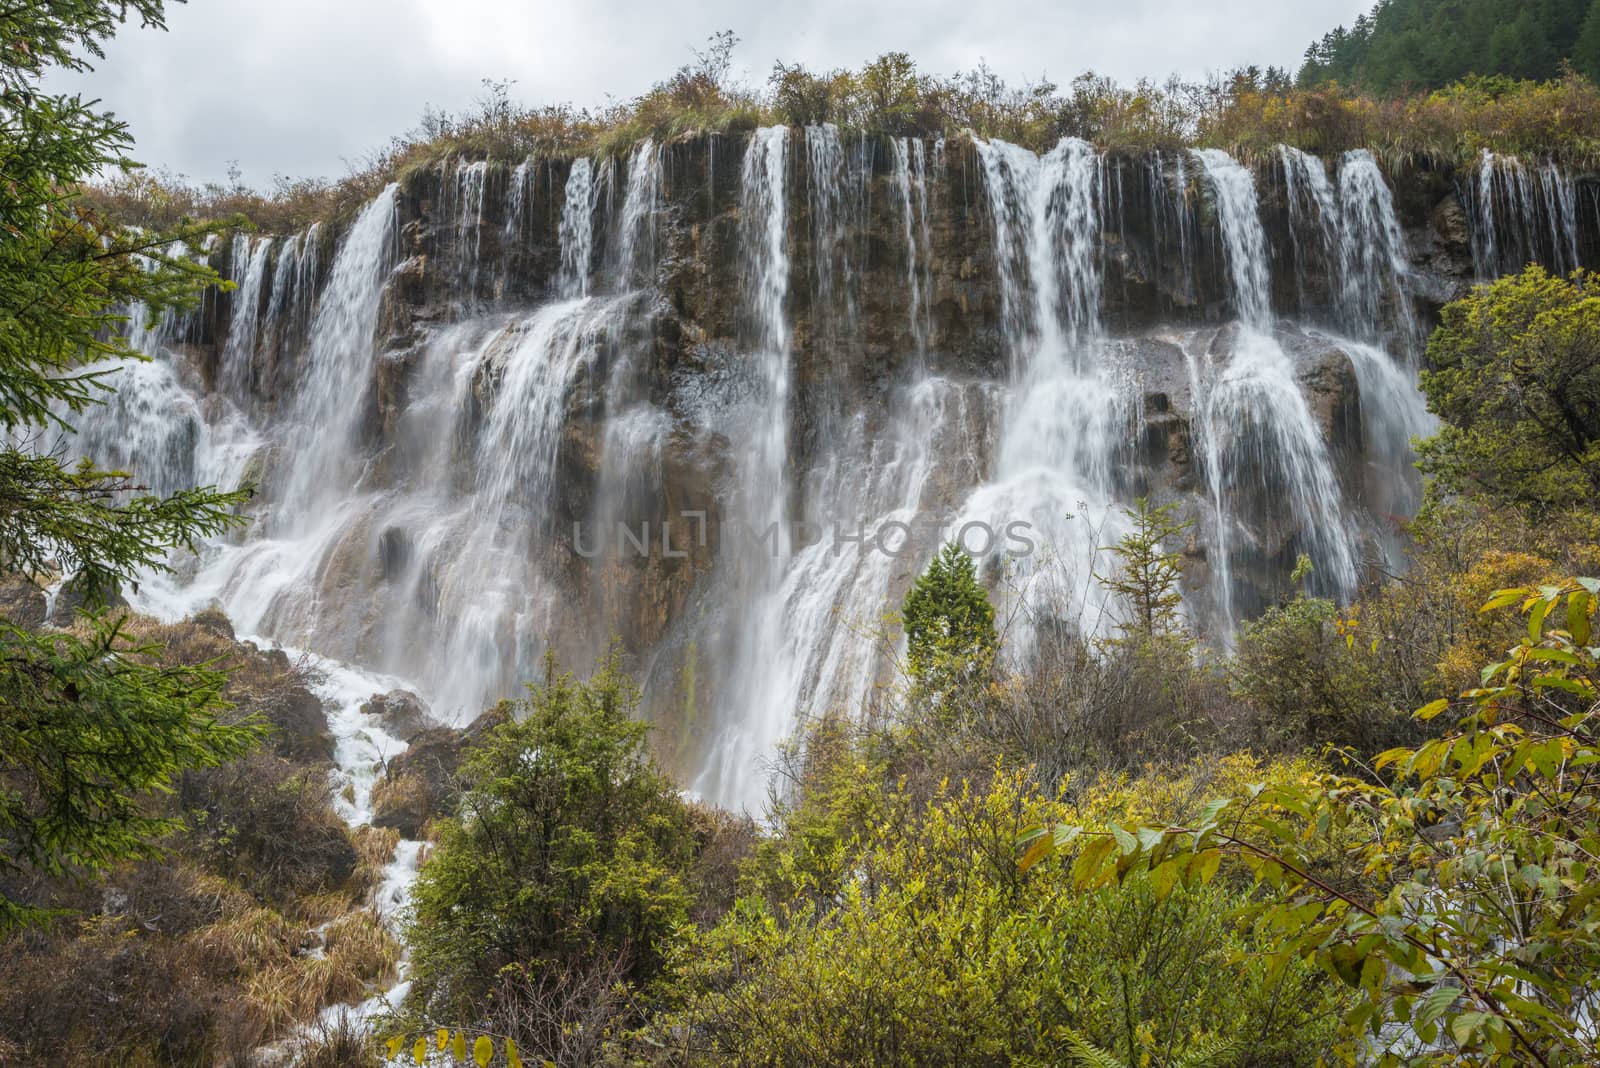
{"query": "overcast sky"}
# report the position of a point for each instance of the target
(299, 87)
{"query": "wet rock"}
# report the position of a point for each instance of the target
(302, 723)
(422, 782)
(402, 713)
(1332, 391)
(71, 598)
(22, 602)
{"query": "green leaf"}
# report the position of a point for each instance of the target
(1086, 868)
(1125, 841)
(1437, 1002)
(1464, 1028)
(1432, 709)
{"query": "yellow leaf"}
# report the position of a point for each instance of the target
(419, 1052)
(458, 1046)
(483, 1051)
(513, 1060)
(1433, 708)
(443, 1038)
(1163, 878)
(394, 1045)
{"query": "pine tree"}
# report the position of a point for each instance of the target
(1586, 53)
(1148, 576)
(90, 726)
(948, 620)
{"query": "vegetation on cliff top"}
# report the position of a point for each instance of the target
(1248, 112)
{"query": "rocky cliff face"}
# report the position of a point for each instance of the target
(544, 404)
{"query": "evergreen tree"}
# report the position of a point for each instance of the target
(1417, 44)
(1148, 576)
(1586, 53)
(571, 849)
(948, 620)
(89, 725)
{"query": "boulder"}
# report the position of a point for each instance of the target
(22, 602)
(70, 598)
(401, 712)
(422, 782)
(302, 723)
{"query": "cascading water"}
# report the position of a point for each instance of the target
(1066, 415)
(469, 195)
(1373, 261)
(1517, 217)
(641, 210)
(1260, 439)
(577, 231)
(517, 198)
(756, 707)
(832, 195)
(911, 182)
(238, 355)
(1312, 209)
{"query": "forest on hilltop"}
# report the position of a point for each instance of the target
(1409, 45)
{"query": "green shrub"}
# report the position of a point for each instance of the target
(569, 847)
(937, 950)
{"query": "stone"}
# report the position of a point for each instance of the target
(421, 783)
(402, 713)
(22, 602)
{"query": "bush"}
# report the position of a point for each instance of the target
(1515, 377)
(1300, 670)
(936, 949)
(570, 850)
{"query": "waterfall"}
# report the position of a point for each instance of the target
(911, 182)
(284, 278)
(238, 354)
(420, 472)
(339, 358)
(517, 203)
(535, 363)
(1312, 208)
(470, 181)
(1561, 210)
(577, 230)
(1261, 445)
(1066, 415)
(757, 709)
(641, 206)
(829, 197)
(1244, 242)
(1373, 260)
(1518, 218)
